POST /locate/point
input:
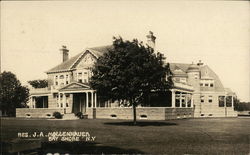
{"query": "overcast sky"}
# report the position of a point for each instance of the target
(216, 32)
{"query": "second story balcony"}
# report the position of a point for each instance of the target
(39, 91)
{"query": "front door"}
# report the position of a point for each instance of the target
(79, 103)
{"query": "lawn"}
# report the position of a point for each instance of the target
(187, 136)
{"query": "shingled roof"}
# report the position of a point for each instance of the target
(204, 71)
(69, 64)
(100, 50)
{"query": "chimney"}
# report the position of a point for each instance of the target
(200, 63)
(65, 53)
(151, 40)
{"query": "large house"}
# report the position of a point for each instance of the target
(197, 92)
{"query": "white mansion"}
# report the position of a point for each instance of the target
(197, 92)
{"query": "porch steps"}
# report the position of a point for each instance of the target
(70, 116)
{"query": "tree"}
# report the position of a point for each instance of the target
(12, 94)
(38, 83)
(130, 71)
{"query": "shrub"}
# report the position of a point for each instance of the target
(57, 115)
(79, 115)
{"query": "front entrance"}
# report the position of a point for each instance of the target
(79, 103)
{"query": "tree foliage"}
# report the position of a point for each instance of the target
(38, 83)
(130, 71)
(241, 106)
(12, 94)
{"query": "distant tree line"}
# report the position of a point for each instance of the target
(242, 106)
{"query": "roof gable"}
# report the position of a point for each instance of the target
(75, 86)
(72, 62)
(87, 59)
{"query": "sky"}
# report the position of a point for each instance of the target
(216, 32)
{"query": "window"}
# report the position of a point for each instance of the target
(206, 84)
(67, 82)
(221, 101)
(201, 84)
(202, 99)
(210, 99)
(80, 80)
(229, 101)
(211, 85)
(85, 72)
(56, 83)
(61, 77)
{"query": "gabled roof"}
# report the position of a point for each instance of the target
(74, 86)
(182, 68)
(179, 72)
(69, 64)
(205, 71)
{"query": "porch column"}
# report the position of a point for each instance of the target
(192, 101)
(173, 98)
(180, 99)
(64, 100)
(232, 101)
(92, 99)
(43, 101)
(186, 100)
(87, 99)
(59, 99)
(31, 103)
(225, 101)
(95, 99)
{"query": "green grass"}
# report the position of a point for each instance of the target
(187, 136)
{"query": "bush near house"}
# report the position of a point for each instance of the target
(57, 115)
(79, 115)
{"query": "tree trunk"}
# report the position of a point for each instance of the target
(134, 113)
